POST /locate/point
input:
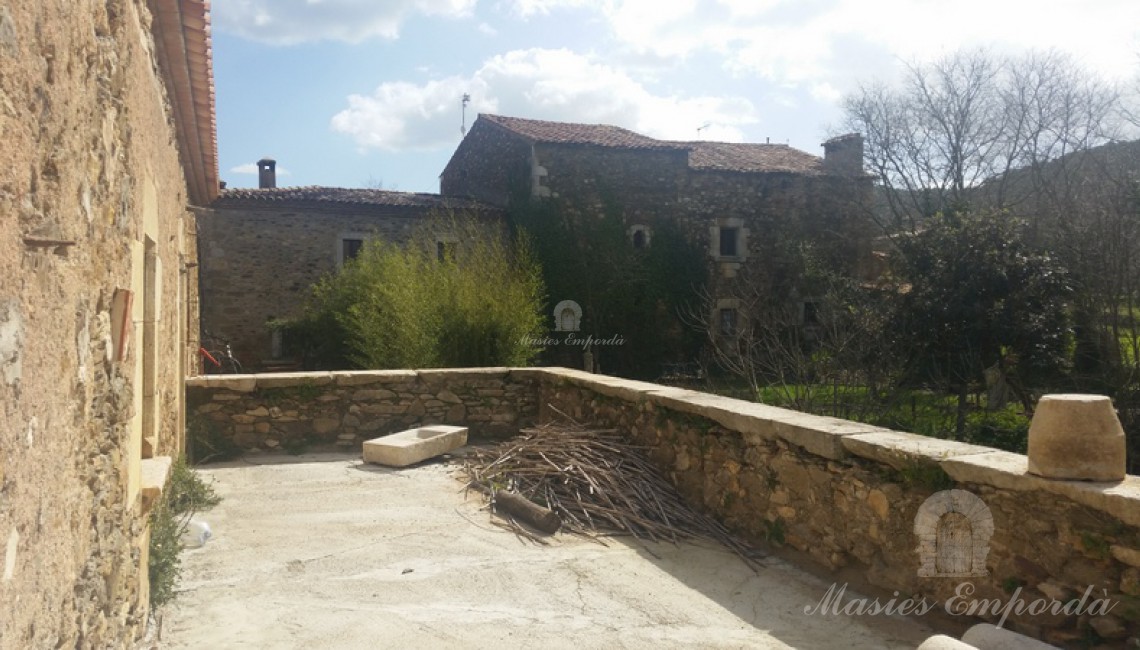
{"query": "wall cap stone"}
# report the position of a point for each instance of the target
(1009, 471)
(900, 449)
(827, 437)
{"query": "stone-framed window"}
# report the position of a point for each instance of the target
(726, 319)
(640, 236)
(728, 240)
(726, 322)
(348, 246)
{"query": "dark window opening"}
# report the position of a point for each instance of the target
(350, 248)
(728, 238)
(727, 322)
(444, 251)
(811, 313)
(639, 239)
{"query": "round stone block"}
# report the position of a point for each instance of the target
(1076, 437)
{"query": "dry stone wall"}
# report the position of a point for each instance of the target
(848, 498)
(294, 411)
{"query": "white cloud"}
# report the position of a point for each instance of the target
(251, 168)
(793, 43)
(527, 8)
(540, 84)
(288, 22)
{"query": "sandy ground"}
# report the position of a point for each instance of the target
(322, 551)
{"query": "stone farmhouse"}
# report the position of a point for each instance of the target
(262, 249)
(741, 202)
(107, 111)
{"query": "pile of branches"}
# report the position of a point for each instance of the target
(596, 482)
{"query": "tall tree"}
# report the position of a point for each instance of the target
(951, 132)
(975, 296)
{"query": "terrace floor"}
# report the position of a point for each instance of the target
(322, 551)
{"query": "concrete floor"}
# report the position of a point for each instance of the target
(321, 551)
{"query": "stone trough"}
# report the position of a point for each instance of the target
(414, 445)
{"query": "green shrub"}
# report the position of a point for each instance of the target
(185, 495)
(422, 305)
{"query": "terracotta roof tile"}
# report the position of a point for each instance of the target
(341, 196)
(710, 156)
(747, 157)
(603, 135)
(183, 48)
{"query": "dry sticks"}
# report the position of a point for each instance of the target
(595, 481)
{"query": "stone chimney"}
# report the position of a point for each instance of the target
(267, 173)
(844, 154)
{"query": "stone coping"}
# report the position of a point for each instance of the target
(155, 472)
(828, 437)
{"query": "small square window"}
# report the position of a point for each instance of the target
(728, 242)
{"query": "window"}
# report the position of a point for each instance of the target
(444, 250)
(728, 242)
(639, 236)
(726, 322)
(350, 248)
(811, 313)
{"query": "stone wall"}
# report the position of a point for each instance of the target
(842, 496)
(260, 259)
(295, 411)
(93, 199)
(846, 496)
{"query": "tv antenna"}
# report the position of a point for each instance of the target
(463, 107)
(702, 128)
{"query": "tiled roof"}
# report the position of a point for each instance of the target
(603, 135)
(182, 43)
(745, 157)
(341, 196)
(712, 156)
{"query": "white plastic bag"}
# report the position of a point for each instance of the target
(195, 534)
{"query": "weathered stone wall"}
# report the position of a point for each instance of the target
(846, 496)
(841, 495)
(258, 264)
(490, 165)
(93, 201)
(294, 411)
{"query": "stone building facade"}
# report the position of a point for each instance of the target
(107, 114)
(751, 207)
(261, 250)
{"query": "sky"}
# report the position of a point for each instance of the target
(367, 93)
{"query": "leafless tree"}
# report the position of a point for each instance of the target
(964, 122)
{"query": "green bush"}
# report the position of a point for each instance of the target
(185, 495)
(422, 305)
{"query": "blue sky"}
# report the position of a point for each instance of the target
(366, 93)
